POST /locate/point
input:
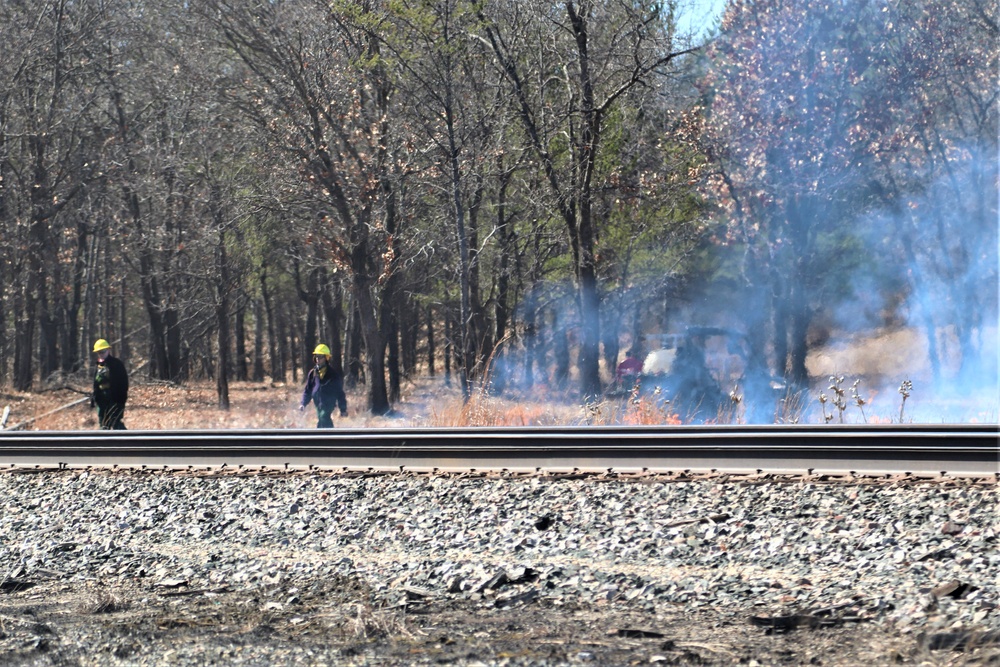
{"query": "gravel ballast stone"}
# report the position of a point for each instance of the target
(153, 567)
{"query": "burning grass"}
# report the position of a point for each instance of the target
(489, 411)
(432, 404)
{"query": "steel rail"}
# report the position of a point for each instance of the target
(957, 450)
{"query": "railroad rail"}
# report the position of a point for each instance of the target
(949, 449)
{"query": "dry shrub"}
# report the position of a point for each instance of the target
(791, 407)
(105, 601)
(482, 410)
(638, 410)
(644, 412)
(370, 623)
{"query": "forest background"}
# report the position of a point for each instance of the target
(508, 193)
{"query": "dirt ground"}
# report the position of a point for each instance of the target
(158, 406)
(329, 623)
(878, 361)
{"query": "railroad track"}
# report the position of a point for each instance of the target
(953, 450)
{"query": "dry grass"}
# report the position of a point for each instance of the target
(426, 402)
(484, 410)
(432, 402)
(864, 369)
(371, 623)
(105, 601)
(107, 598)
(635, 411)
(195, 406)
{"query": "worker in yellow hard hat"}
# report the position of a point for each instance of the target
(110, 388)
(324, 387)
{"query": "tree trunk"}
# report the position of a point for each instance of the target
(393, 359)
(258, 341)
(176, 367)
(448, 345)
(560, 345)
(465, 278)
(273, 332)
(4, 352)
(799, 326)
(71, 361)
(375, 343)
(310, 296)
(293, 350)
(482, 342)
(508, 248)
(34, 294)
(408, 335)
(388, 319)
(333, 311)
(6, 271)
(530, 338)
(636, 328)
(221, 305)
(24, 336)
(223, 342)
(590, 134)
(610, 334)
(159, 366)
(353, 363)
(803, 211)
(49, 343)
(124, 349)
(430, 341)
(281, 328)
(241, 372)
(588, 362)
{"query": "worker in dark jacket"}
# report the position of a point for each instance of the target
(110, 388)
(325, 387)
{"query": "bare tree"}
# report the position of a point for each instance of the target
(46, 105)
(568, 67)
(459, 116)
(317, 87)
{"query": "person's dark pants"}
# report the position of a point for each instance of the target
(324, 418)
(109, 416)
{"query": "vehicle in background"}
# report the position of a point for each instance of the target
(702, 370)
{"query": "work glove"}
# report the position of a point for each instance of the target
(302, 408)
(343, 413)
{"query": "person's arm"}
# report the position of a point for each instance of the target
(341, 396)
(307, 392)
(119, 380)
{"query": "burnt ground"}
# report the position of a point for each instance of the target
(332, 622)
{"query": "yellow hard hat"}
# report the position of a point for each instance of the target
(322, 349)
(101, 344)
